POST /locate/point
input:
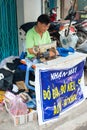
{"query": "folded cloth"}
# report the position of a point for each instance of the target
(65, 51)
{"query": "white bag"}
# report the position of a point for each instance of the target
(69, 41)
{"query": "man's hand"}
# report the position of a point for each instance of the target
(36, 50)
(53, 53)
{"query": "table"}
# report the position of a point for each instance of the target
(59, 86)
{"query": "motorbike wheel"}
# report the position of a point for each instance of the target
(81, 38)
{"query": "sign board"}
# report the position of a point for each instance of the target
(57, 90)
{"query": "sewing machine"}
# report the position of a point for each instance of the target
(44, 51)
(44, 47)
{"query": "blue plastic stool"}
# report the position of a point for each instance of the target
(29, 68)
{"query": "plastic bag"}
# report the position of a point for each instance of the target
(18, 107)
(65, 51)
(69, 41)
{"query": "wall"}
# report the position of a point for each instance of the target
(66, 7)
(32, 9)
(20, 21)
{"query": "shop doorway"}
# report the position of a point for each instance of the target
(48, 5)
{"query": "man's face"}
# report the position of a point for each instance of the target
(43, 27)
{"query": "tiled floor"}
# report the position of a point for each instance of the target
(6, 122)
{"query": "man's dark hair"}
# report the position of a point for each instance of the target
(44, 18)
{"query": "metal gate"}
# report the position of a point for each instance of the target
(8, 29)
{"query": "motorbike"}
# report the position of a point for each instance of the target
(61, 30)
(81, 27)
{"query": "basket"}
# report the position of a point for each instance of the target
(24, 119)
(21, 119)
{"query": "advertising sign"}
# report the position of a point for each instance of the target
(60, 89)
